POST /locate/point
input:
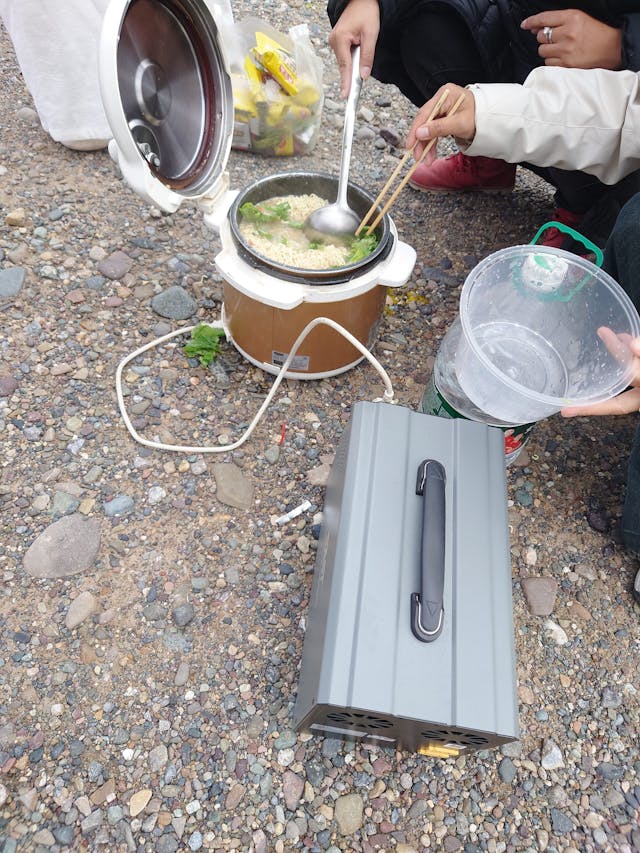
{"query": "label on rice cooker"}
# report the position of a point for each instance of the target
(298, 362)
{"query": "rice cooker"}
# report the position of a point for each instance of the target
(166, 89)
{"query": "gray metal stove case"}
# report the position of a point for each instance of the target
(447, 683)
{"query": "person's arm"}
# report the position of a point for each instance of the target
(571, 119)
(562, 117)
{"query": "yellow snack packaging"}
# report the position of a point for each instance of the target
(277, 62)
(277, 90)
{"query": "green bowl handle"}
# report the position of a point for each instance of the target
(576, 236)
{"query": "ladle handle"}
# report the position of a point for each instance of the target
(349, 124)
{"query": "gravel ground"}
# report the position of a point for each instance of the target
(151, 613)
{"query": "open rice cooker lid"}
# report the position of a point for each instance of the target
(167, 94)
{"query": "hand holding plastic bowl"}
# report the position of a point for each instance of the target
(543, 330)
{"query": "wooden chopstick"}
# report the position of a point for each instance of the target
(398, 168)
(403, 182)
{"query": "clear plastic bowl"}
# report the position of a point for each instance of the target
(530, 318)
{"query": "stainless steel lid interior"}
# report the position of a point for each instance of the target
(174, 91)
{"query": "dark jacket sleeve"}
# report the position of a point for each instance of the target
(631, 42)
(336, 7)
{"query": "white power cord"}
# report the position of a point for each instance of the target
(387, 397)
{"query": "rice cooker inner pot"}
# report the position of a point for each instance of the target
(300, 183)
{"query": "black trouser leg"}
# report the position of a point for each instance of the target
(424, 49)
(437, 48)
(622, 262)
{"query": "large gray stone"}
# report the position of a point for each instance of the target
(348, 813)
(115, 266)
(11, 281)
(540, 593)
(232, 487)
(67, 547)
(8, 384)
(174, 303)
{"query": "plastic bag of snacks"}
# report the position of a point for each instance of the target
(277, 90)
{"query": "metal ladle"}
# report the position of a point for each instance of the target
(338, 219)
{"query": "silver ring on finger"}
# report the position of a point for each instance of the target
(547, 32)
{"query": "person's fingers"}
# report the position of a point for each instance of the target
(367, 51)
(621, 346)
(447, 126)
(342, 50)
(623, 404)
(543, 19)
(439, 105)
(625, 349)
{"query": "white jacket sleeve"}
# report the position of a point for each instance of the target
(564, 117)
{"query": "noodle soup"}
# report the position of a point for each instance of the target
(274, 229)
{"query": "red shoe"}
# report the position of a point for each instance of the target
(553, 236)
(459, 173)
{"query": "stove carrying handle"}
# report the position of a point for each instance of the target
(427, 609)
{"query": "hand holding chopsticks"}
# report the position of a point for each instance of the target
(402, 162)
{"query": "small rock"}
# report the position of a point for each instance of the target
(139, 801)
(551, 756)
(115, 266)
(174, 303)
(182, 675)
(64, 834)
(80, 609)
(44, 837)
(610, 772)
(611, 698)
(8, 384)
(29, 799)
(540, 593)
(272, 454)
(561, 822)
(121, 505)
(558, 634)
(154, 612)
(348, 813)
(318, 476)
(507, 770)
(16, 218)
(27, 115)
(158, 758)
(234, 797)
(292, 786)
(156, 494)
(183, 614)
(92, 822)
(195, 840)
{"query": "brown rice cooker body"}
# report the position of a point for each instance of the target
(266, 333)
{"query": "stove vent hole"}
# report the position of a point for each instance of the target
(353, 718)
(454, 736)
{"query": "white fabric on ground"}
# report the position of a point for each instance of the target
(56, 44)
